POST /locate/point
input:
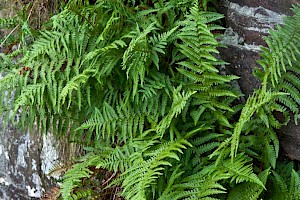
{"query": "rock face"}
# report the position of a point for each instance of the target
(24, 161)
(25, 158)
(289, 139)
(247, 22)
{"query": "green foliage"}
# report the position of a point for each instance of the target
(140, 176)
(200, 185)
(249, 190)
(280, 63)
(284, 183)
(20, 29)
(279, 94)
(73, 178)
(8, 22)
(139, 84)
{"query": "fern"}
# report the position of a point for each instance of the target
(8, 22)
(142, 175)
(249, 190)
(285, 185)
(279, 62)
(241, 172)
(71, 180)
(139, 84)
(197, 186)
(252, 105)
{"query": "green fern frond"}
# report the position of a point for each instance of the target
(136, 57)
(73, 84)
(9, 22)
(270, 148)
(279, 62)
(141, 176)
(73, 178)
(127, 121)
(285, 186)
(198, 186)
(81, 194)
(159, 43)
(27, 98)
(102, 51)
(249, 190)
(252, 105)
(294, 188)
(240, 171)
(179, 102)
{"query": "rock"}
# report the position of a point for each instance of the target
(21, 163)
(289, 140)
(242, 58)
(25, 158)
(278, 6)
(247, 22)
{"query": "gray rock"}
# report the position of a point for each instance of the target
(248, 21)
(24, 161)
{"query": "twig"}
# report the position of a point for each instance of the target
(11, 32)
(115, 193)
(30, 12)
(113, 175)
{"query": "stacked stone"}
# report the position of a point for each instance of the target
(247, 22)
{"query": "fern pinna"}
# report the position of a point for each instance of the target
(139, 84)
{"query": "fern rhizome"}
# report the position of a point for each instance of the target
(138, 83)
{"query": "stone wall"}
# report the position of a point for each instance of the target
(25, 158)
(247, 22)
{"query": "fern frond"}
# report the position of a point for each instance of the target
(136, 57)
(240, 171)
(249, 190)
(27, 98)
(9, 22)
(73, 84)
(279, 62)
(294, 188)
(179, 101)
(252, 105)
(141, 176)
(159, 43)
(73, 178)
(198, 186)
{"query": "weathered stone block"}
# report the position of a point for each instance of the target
(249, 21)
(279, 6)
(21, 174)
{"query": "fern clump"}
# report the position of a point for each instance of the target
(138, 84)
